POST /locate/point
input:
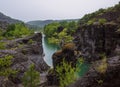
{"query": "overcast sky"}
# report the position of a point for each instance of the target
(27, 10)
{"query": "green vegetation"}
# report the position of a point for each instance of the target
(5, 64)
(17, 31)
(61, 37)
(102, 21)
(88, 18)
(60, 32)
(30, 41)
(103, 66)
(2, 45)
(67, 73)
(1, 34)
(31, 77)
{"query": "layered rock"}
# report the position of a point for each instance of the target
(93, 40)
(25, 51)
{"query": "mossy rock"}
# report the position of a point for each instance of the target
(69, 46)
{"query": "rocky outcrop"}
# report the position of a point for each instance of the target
(25, 51)
(93, 78)
(68, 54)
(93, 40)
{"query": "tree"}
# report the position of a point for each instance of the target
(67, 73)
(31, 77)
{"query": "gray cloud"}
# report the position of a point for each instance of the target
(27, 10)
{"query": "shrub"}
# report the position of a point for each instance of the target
(31, 77)
(67, 73)
(30, 41)
(2, 45)
(5, 64)
(103, 65)
(17, 31)
(102, 21)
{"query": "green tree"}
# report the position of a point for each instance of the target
(31, 77)
(61, 38)
(50, 29)
(17, 31)
(67, 73)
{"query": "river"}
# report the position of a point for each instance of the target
(49, 49)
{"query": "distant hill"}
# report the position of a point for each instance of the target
(7, 19)
(42, 23)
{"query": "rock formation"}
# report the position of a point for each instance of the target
(25, 51)
(94, 40)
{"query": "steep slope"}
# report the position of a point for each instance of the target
(4, 18)
(95, 38)
(111, 14)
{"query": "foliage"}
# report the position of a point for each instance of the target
(90, 22)
(88, 17)
(67, 73)
(103, 66)
(60, 31)
(1, 34)
(5, 64)
(102, 21)
(50, 29)
(17, 31)
(2, 45)
(31, 77)
(61, 38)
(30, 41)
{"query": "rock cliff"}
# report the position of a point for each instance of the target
(94, 40)
(25, 51)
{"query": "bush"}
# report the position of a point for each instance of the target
(103, 66)
(67, 73)
(102, 21)
(2, 45)
(5, 64)
(17, 31)
(31, 77)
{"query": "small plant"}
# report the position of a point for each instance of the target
(30, 41)
(100, 81)
(31, 77)
(103, 66)
(5, 64)
(2, 45)
(102, 21)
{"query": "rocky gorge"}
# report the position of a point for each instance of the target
(24, 54)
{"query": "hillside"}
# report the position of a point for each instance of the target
(111, 14)
(42, 23)
(7, 19)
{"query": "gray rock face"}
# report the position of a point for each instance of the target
(94, 40)
(25, 53)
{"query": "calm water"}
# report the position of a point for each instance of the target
(49, 49)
